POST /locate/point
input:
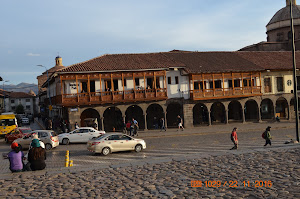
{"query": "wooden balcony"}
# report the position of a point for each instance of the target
(109, 97)
(220, 93)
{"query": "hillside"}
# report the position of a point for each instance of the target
(22, 87)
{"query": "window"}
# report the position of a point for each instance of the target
(237, 83)
(169, 80)
(176, 80)
(12, 101)
(245, 83)
(279, 81)
(196, 85)
(230, 83)
(267, 85)
(125, 137)
(27, 100)
(27, 107)
(83, 87)
(137, 81)
(125, 82)
(13, 107)
(114, 137)
(218, 84)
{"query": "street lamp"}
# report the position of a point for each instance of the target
(4, 95)
(48, 89)
(294, 72)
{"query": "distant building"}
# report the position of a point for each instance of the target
(279, 35)
(27, 100)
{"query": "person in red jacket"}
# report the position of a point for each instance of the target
(234, 138)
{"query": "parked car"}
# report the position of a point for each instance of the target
(25, 120)
(113, 142)
(49, 138)
(80, 135)
(17, 133)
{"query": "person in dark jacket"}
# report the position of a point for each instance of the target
(37, 156)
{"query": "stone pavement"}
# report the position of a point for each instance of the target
(266, 173)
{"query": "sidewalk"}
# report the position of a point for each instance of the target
(215, 128)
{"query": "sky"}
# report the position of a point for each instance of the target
(34, 32)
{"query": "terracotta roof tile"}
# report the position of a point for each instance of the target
(20, 95)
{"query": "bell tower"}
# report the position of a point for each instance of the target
(288, 2)
(58, 61)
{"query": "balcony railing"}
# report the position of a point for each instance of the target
(109, 97)
(225, 92)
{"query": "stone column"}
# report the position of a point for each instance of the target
(226, 116)
(145, 118)
(259, 114)
(188, 115)
(209, 118)
(243, 114)
(274, 107)
(165, 116)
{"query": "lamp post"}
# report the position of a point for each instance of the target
(48, 89)
(4, 96)
(294, 72)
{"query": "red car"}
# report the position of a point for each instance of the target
(17, 133)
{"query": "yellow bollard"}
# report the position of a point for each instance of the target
(71, 163)
(67, 159)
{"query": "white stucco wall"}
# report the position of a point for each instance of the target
(178, 90)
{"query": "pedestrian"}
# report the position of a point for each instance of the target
(267, 136)
(49, 124)
(37, 156)
(128, 127)
(135, 127)
(162, 124)
(179, 121)
(234, 138)
(15, 158)
(76, 125)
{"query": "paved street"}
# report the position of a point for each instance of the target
(172, 155)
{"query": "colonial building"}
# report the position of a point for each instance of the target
(28, 100)
(278, 31)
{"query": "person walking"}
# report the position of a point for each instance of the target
(135, 127)
(37, 156)
(162, 124)
(234, 138)
(179, 121)
(15, 158)
(76, 125)
(267, 136)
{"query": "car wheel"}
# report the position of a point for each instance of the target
(66, 141)
(48, 146)
(138, 148)
(105, 151)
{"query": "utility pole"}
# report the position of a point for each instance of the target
(294, 72)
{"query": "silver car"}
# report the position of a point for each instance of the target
(49, 138)
(113, 142)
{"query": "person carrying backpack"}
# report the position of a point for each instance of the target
(267, 136)
(234, 138)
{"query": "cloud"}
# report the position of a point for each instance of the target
(32, 55)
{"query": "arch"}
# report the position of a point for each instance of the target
(235, 111)
(267, 109)
(90, 113)
(173, 110)
(154, 113)
(200, 114)
(218, 113)
(113, 120)
(282, 109)
(136, 112)
(251, 110)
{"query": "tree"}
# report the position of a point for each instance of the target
(20, 109)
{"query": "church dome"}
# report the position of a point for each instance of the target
(284, 14)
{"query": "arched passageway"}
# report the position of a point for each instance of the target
(136, 112)
(267, 109)
(113, 120)
(251, 111)
(200, 114)
(235, 112)
(173, 110)
(218, 113)
(154, 114)
(282, 109)
(90, 117)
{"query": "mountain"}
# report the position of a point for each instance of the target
(22, 87)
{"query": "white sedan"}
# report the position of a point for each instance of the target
(113, 142)
(80, 135)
